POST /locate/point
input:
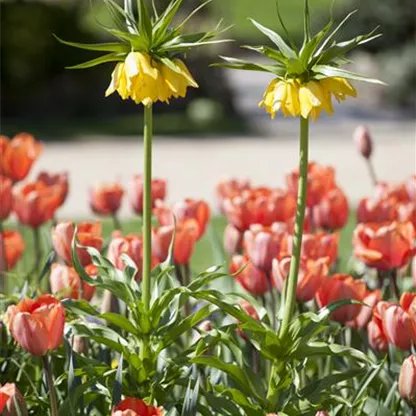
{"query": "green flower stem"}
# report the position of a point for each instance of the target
(147, 205)
(51, 386)
(292, 281)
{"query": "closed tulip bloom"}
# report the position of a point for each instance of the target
(230, 188)
(12, 246)
(407, 380)
(333, 210)
(12, 402)
(6, 197)
(106, 199)
(37, 325)
(233, 240)
(363, 318)
(363, 141)
(251, 278)
(376, 335)
(135, 407)
(35, 203)
(397, 191)
(88, 234)
(263, 244)
(186, 235)
(60, 180)
(321, 179)
(136, 192)
(18, 155)
(377, 210)
(186, 209)
(132, 246)
(65, 282)
(338, 287)
(384, 246)
(312, 275)
(315, 246)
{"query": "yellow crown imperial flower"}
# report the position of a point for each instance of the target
(148, 69)
(306, 78)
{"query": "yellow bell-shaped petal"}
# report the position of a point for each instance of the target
(291, 102)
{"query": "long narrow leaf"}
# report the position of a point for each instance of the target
(104, 47)
(111, 57)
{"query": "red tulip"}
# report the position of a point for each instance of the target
(60, 180)
(65, 281)
(399, 191)
(410, 186)
(407, 380)
(377, 210)
(407, 212)
(12, 246)
(35, 203)
(228, 189)
(263, 244)
(414, 271)
(183, 210)
(363, 141)
(6, 197)
(106, 199)
(88, 234)
(366, 311)
(186, 235)
(321, 179)
(233, 240)
(338, 287)
(11, 401)
(135, 407)
(17, 155)
(312, 275)
(316, 246)
(37, 325)
(376, 336)
(250, 310)
(384, 246)
(136, 192)
(252, 279)
(132, 245)
(333, 210)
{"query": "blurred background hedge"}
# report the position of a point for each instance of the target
(37, 90)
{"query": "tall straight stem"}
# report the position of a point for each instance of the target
(147, 204)
(292, 281)
(51, 386)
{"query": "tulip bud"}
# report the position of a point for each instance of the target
(407, 380)
(363, 141)
(233, 240)
(11, 401)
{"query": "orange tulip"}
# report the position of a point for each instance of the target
(12, 246)
(17, 155)
(263, 244)
(37, 325)
(259, 206)
(88, 234)
(132, 245)
(363, 141)
(183, 210)
(333, 210)
(136, 192)
(376, 336)
(407, 379)
(65, 281)
(6, 197)
(315, 246)
(230, 188)
(366, 311)
(321, 179)
(233, 240)
(378, 210)
(342, 286)
(135, 407)
(312, 275)
(11, 401)
(106, 199)
(252, 279)
(186, 235)
(384, 246)
(60, 180)
(35, 203)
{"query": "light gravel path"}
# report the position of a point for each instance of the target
(193, 166)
